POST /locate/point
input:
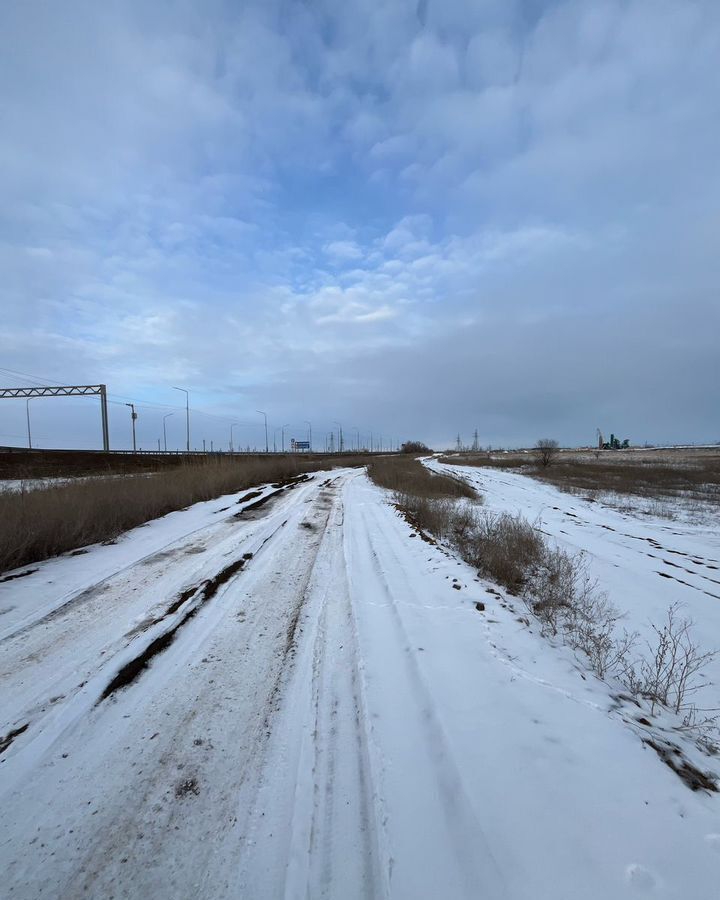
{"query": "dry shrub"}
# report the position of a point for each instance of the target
(431, 515)
(504, 547)
(37, 524)
(668, 674)
(409, 477)
(553, 586)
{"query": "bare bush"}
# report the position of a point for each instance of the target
(415, 447)
(434, 516)
(590, 627)
(553, 587)
(669, 674)
(546, 450)
(504, 547)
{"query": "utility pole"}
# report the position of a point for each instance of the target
(309, 425)
(187, 414)
(267, 446)
(133, 416)
(27, 410)
(340, 436)
(234, 425)
(165, 431)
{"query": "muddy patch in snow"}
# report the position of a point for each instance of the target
(11, 735)
(17, 575)
(673, 757)
(204, 592)
(186, 787)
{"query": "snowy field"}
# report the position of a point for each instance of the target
(643, 563)
(302, 700)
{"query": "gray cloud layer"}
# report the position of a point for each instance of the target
(417, 218)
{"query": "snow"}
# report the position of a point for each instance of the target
(643, 563)
(337, 721)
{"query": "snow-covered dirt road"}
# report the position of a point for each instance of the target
(302, 700)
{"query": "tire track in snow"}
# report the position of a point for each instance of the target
(56, 706)
(168, 768)
(315, 796)
(461, 851)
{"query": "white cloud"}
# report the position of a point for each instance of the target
(343, 251)
(184, 189)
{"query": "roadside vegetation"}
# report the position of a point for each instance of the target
(688, 480)
(567, 603)
(55, 518)
(407, 476)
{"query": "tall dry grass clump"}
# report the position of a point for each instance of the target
(40, 523)
(426, 498)
(406, 476)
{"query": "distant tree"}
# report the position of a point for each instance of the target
(546, 450)
(415, 447)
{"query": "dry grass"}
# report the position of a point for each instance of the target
(691, 475)
(41, 523)
(406, 476)
(504, 547)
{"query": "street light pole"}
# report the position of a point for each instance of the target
(27, 411)
(187, 414)
(164, 431)
(309, 425)
(267, 446)
(133, 416)
(283, 427)
(234, 425)
(340, 436)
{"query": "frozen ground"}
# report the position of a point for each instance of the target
(644, 564)
(327, 714)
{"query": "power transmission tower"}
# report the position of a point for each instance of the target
(459, 443)
(475, 445)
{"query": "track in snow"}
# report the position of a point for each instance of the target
(298, 703)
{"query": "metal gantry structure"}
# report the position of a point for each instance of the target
(334, 439)
(68, 390)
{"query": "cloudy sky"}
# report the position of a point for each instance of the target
(412, 217)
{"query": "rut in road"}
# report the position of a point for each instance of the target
(131, 670)
(150, 791)
(58, 654)
(312, 827)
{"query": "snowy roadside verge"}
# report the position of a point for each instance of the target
(660, 679)
(556, 796)
(654, 682)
